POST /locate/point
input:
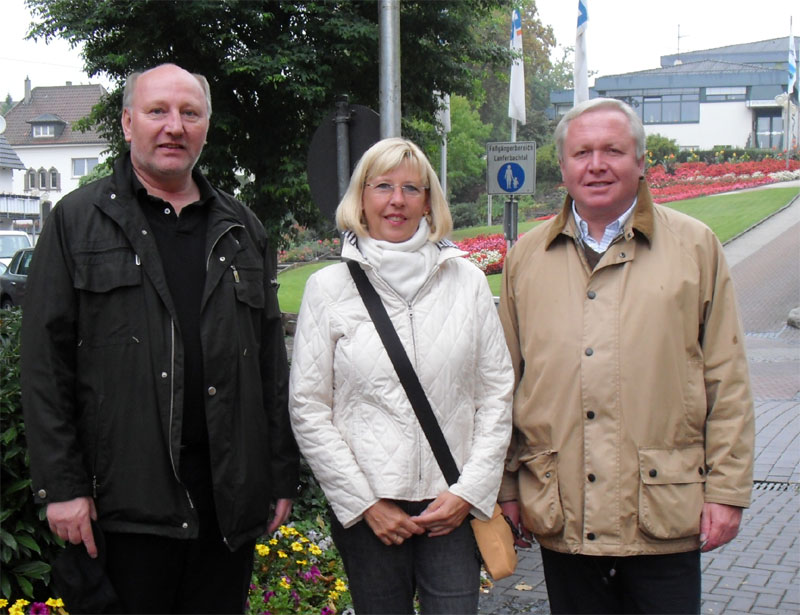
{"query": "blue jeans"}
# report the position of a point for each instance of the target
(443, 571)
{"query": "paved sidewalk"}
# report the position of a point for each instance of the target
(758, 571)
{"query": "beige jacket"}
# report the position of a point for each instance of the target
(632, 403)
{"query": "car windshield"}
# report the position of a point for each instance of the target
(9, 244)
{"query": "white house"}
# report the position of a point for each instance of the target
(54, 155)
(728, 96)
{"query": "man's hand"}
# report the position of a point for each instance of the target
(390, 523)
(283, 508)
(522, 537)
(719, 524)
(443, 515)
(72, 521)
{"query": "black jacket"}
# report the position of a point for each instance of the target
(102, 368)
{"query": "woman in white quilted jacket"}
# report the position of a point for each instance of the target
(400, 529)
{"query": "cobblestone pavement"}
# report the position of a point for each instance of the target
(758, 571)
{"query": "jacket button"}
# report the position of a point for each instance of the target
(590, 536)
(622, 254)
(221, 259)
(547, 474)
(591, 478)
(164, 375)
(589, 352)
(212, 391)
(112, 196)
(700, 470)
(185, 525)
(653, 473)
(591, 294)
(590, 414)
(42, 493)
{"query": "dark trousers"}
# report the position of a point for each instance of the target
(443, 571)
(667, 583)
(153, 574)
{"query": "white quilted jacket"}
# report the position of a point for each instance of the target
(350, 414)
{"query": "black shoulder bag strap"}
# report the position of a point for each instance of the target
(405, 372)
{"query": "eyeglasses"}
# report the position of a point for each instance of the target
(410, 191)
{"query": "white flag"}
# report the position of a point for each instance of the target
(792, 66)
(516, 95)
(581, 74)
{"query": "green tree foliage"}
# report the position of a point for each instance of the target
(659, 148)
(26, 543)
(275, 69)
(538, 42)
(6, 104)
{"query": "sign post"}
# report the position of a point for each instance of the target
(511, 171)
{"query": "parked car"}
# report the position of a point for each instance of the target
(10, 242)
(13, 279)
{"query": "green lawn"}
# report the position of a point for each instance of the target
(727, 215)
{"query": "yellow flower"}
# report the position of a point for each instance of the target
(284, 583)
(273, 541)
(340, 585)
(17, 608)
(301, 562)
(3, 603)
(304, 539)
(282, 555)
(333, 596)
(296, 546)
(55, 603)
(315, 550)
(263, 550)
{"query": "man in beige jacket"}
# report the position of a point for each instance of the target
(633, 417)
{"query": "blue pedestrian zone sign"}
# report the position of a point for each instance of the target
(511, 168)
(511, 177)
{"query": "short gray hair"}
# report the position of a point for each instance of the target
(593, 104)
(130, 86)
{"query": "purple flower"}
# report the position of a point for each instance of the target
(268, 595)
(296, 597)
(40, 608)
(326, 610)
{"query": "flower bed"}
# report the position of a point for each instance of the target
(298, 572)
(488, 252)
(695, 179)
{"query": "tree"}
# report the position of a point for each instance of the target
(275, 70)
(6, 104)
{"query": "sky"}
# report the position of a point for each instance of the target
(623, 35)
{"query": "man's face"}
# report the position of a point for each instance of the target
(166, 124)
(599, 164)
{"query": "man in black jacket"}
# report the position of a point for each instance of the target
(154, 371)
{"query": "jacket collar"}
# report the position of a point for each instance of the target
(642, 219)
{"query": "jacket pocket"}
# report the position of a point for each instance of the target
(542, 512)
(671, 491)
(249, 287)
(104, 271)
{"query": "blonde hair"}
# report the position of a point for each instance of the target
(383, 157)
(593, 104)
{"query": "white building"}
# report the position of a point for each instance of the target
(54, 154)
(732, 96)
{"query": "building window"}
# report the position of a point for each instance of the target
(30, 180)
(44, 130)
(83, 166)
(55, 179)
(666, 108)
(42, 179)
(725, 94)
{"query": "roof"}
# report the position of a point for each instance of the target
(8, 157)
(67, 103)
(774, 52)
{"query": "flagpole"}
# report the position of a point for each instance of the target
(790, 86)
(580, 75)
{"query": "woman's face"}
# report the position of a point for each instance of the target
(394, 203)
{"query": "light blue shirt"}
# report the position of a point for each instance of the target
(611, 232)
